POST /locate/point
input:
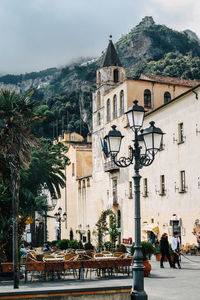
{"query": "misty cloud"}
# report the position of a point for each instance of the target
(37, 34)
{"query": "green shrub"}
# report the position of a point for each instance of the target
(53, 243)
(147, 250)
(73, 244)
(63, 244)
(121, 248)
(88, 246)
(108, 246)
(80, 245)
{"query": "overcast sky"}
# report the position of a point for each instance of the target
(38, 34)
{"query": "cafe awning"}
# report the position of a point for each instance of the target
(151, 227)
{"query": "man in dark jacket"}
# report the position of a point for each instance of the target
(164, 249)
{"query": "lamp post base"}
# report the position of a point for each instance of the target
(138, 295)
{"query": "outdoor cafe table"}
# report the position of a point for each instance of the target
(58, 265)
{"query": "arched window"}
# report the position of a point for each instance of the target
(121, 102)
(147, 98)
(114, 107)
(88, 182)
(98, 119)
(108, 110)
(116, 75)
(79, 184)
(167, 97)
(99, 79)
(98, 100)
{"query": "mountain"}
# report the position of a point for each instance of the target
(66, 93)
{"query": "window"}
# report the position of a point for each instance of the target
(182, 177)
(114, 107)
(147, 98)
(99, 79)
(116, 75)
(145, 187)
(121, 102)
(180, 133)
(83, 183)
(130, 190)
(98, 119)
(167, 97)
(162, 185)
(88, 182)
(98, 100)
(114, 189)
(79, 184)
(108, 110)
(73, 169)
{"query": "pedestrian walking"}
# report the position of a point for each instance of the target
(164, 249)
(176, 248)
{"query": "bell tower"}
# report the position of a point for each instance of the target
(110, 74)
(111, 71)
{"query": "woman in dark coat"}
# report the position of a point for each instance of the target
(164, 249)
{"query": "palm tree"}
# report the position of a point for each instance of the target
(17, 116)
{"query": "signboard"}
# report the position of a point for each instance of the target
(127, 241)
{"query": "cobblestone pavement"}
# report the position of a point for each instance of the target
(163, 284)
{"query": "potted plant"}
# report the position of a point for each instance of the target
(147, 251)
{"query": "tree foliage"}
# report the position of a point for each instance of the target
(21, 179)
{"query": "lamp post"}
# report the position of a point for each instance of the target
(146, 144)
(60, 219)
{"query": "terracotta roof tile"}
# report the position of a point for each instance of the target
(170, 80)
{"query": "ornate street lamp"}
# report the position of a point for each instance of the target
(146, 145)
(60, 219)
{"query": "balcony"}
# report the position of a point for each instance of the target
(109, 166)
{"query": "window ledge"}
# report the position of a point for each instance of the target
(182, 192)
(182, 142)
(130, 197)
(145, 196)
(162, 194)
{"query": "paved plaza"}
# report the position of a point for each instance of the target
(163, 284)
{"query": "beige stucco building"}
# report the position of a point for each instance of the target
(171, 185)
(94, 184)
(114, 95)
(78, 186)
